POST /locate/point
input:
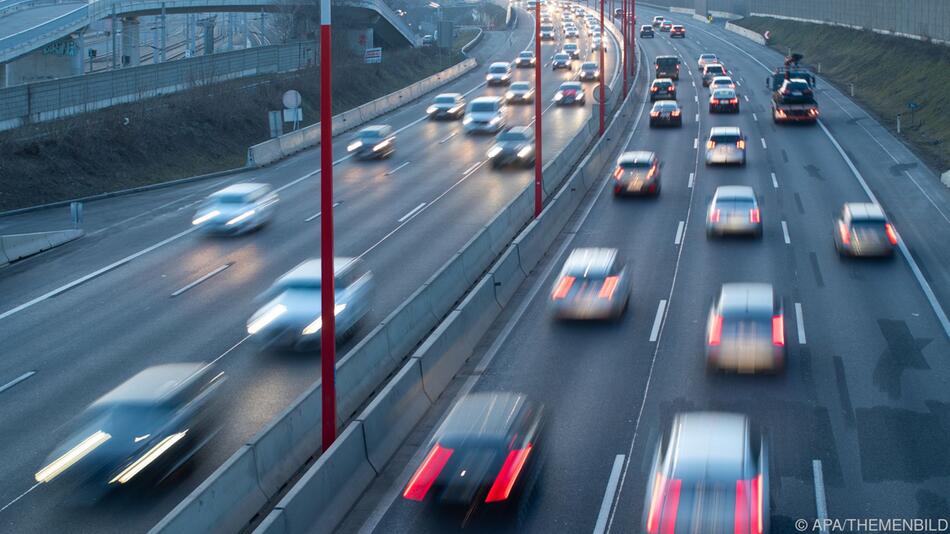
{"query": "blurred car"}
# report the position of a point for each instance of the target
(662, 89)
(291, 316)
(726, 145)
(525, 59)
(485, 114)
(711, 70)
(514, 146)
(447, 106)
(588, 72)
(862, 229)
(595, 43)
(373, 142)
(561, 61)
(657, 20)
(499, 73)
(637, 172)
(666, 113)
(520, 92)
(745, 332)
(666, 26)
(707, 59)
(485, 452)
(646, 31)
(547, 32)
(570, 32)
(572, 50)
(734, 210)
(724, 100)
(710, 474)
(678, 31)
(237, 208)
(721, 82)
(593, 284)
(140, 432)
(569, 93)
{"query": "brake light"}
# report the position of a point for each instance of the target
(715, 101)
(653, 519)
(651, 172)
(845, 233)
(748, 511)
(671, 506)
(715, 331)
(757, 511)
(654, 113)
(562, 288)
(891, 234)
(618, 172)
(710, 144)
(653, 89)
(714, 216)
(740, 144)
(676, 113)
(734, 101)
(778, 330)
(508, 474)
(610, 285)
(754, 216)
(427, 473)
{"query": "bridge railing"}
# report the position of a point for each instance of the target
(29, 39)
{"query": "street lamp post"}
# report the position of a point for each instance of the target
(624, 28)
(633, 37)
(537, 110)
(327, 304)
(602, 69)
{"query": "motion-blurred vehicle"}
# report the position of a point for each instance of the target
(572, 50)
(667, 67)
(485, 114)
(235, 209)
(666, 26)
(569, 93)
(499, 73)
(745, 332)
(561, 61)
(525, 59)
(637, 173)
(447, 106)
(520, 93)
(139, 433)
(711, 70)
(588, 72)
(726, 145)
(291, 317)
(514, 146)
(862, 229)
(662, 89)
(707, 59)
(794, 101)
(710, 474)
(666, 113)
(547, 32)
(593, 284)
(657, 20)
(373, 142)
(721, 82)
(646, 31)
(734, 210)
(678, 31)
(724, 101)
(595, 43)
(485, 452)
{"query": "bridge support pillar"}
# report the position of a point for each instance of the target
(56, 60)
(130, 42)
(208, 26)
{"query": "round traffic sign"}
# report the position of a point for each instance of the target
(291, 99)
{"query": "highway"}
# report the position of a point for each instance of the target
(859, 423)
(87, 316)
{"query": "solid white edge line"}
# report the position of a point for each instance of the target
(657, 321)
(774, 181)
(16, 381)
(601, 526)
(788, 240)
(412, 212)
(11, 503)
(692, 177)
(202, 279)
(679, 233)
(821, 503)
(450, 136)
(800, 323)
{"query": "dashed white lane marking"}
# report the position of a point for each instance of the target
(691, 177)
(601, 526)
(788, 240)
(696, 98)
(450, 136)
(774, 181)
(799, 320)
(412, 212)
(763, 143)
(203, 279)
(745, 97)
(679, 234)
(697, 117)
(16, 381)
(471, 169)
(393, 171)
(657, 321)
(821, 504)
(317, 214)
(755, 117)
(695, 143)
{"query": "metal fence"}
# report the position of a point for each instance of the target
(54, 99)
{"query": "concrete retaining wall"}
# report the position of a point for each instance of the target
(747, 33)
(18, 246)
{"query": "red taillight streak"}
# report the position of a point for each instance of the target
(778, 330)
(845, 233)
(715, 332)
(742, 507)
(508, 475)
(715, 215)
(755, 216)
(757, 511)
(563, 286)
(653, 519)
(740, 144)
(610, 285)
(670, 507)
(749, 512)
(427, 473)
(891, 234)
(618, 172)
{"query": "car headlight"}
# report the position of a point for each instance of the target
(317, 324)
(431, 109)
(266, 318)
(488, 77)
(558, 96)
(494, 120)
(509, 95)
(355, 145)
(494, 151)
(381, 146)
(244, 216)
(525, 152)
(467, 120)
(206, 217)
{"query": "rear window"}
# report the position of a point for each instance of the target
(797, 86)
(479, 107)
(498, 69)
(445, 100)
(715, 69)
(667, 61)
(662, 83)
(512, 136)
(666, 106)
(724, 94)
(231, 199)
(643, 164)
(725, 138)
(868, 224)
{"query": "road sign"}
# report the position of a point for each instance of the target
(373, 55)
(292, 99)
(293, 115)
(276, 125)
(767, 35)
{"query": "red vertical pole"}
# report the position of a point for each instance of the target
(603, 67)
(328, 334)
(537, 110)
(624, 29)
(633, 38)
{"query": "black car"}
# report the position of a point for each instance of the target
(662, 89)
(667, 67)
(647, 31)
(514, 146)
(666, 113)
(589, 72)
(484, 453)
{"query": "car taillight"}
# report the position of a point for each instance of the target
(676, 113)
(656, 500)
(710, 144)
(748, 512)
(715, 101)
(672, 88)
(715, 330)
(618, 173)
(654, 113)
(610, 285)
(653, 89)
(651, 172)
(562, 288)
(427, 473)
(508, 475)
(755, 216)
(778, 330)
(734, 101)
(845, 233)
(714, 215)
(891, 234)
(740, 144)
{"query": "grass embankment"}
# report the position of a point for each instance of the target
(887, 73)
(186, 134)
(463, 38)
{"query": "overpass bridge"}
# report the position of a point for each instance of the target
(42, 40)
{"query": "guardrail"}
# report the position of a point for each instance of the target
(18, 246)
(29, 39)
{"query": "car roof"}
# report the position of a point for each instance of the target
(483, 415)
(310, 270)
(721, 78)
(868, 211)
(798, 80)
(561, 54)
(526, 53)
(593, 261)
(526, 85)
(710, 445)
(241, 189)
(636, 156)
(663, 80)
(570, 45)
(153, 385)
(724, 91)
(571, 85)
(486, 100)
(588, 64)
(667, 57)
(376, 129)
(523, 130)
(677, 25)
(499, 64)
(724, 130)
(734, 191)
(449, 95)
(666, 104)
(747, 298)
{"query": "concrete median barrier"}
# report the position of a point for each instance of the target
(362, 370)
(410, 322)
(19, 246)
(748, 34)
(446, 286)
(507, 275)
(477, 255)
(393, 413)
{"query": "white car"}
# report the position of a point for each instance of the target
(236, 209)
(499, 73)
(485, 114)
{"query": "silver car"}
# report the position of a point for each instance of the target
(520, 92)
(637, 173)
(236, 209)
(710, 473)
(726, 145)
(291, 316)
(593, 284)
(572, 50)
(499, 73)
(373, 142)
(561, 60)
(514, 146)
(862, 229)
(485, 114)
(745, 332)
(734, 210)
(447, 106)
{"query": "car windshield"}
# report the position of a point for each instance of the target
(724, 94)
(498, 69)
(560, 57)
(546, 27)
(370, 134)
(725, 138)
(230, 199)
(445, 100)
(512, 136)
(589, 66)
(526, 55)
(662, 84)
(479, 107)
(520, 86)
(571, 87)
